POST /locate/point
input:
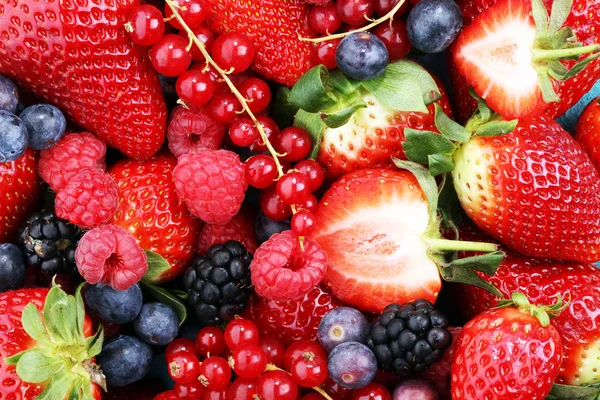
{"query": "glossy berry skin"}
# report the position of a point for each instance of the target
(324, 53)
(183, 367)
(293, 188)
(270, 129)
(382, 7)
(169, 55)
(342, 324)
(147, 25)
(249, 360)
(272, 206)
(12, 267)
(195, 88)
(298, 349)
(157, 324)
(224, 107)
(9, 95)
(233, 52)
(243, 132)
(261, 171)
(509, 350)
(309, 370)
(217, 394)
(586, 131)
(215, 373)
(191, 391)
(324, 19)
(395, 38)
(313, 171)
(277, 385)
(240, 331)
(303, 222)
(274, 349)
(310, 204)
(117, 306)
(355, 12)
(45, 124)
(257, 92)
(168, 395)
(294, 142)
(205, 36)
(243, 389)
(361, 56)
(210, 341)
(373, 391)
(193, 12)
(13, 141)
(125, 360)
(413, 388)
(179, 345)
(352, 365)
(434, 24)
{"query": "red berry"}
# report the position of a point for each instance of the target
(271, 131)
(355, 12)
(300, 347)
(274, 350)
(313, 171)
(240, 331)
(373, 391)
(324, 19)
(169, 55)
(243, 132)
(382, 7)
(240, 228)
(293, 188)
(314, 396)
(294, 142)
(168, 395)
(193, 129)
(215, 373)
(336, 391)
(193, 12)
(195, 88)
(310, 204)
(206, 37)
(324, 53)
(249, 360)
(224, 107)
(217, 394)
(233, 52)
(108, 254)
(147, 25)
(210, 341)
(303, 222)
(261, 171)
(277, 385)
(257, 92)
(243, 389)
(184, 367)
(395, 39)
(282, 270)
(272, 206)
(309, 370)
(179, 345)
(189, 391)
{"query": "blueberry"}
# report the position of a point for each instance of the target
(412, 389)
(157, 324)
(265, 227)
(9, 95)
(45, 124)
(342, 324)
(433, 25)
(13, 137)
(12, 267)
(118, 306)
(124, 360)
(352, 365)
(361, 56)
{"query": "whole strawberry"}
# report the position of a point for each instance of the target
(78, 56)
(587, 131)
(511, 352)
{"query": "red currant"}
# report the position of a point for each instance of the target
(324, 19)
(277, 385)
(395, 38)
(373, 391)
(271, 130)
(205, 36)
(274, 349)
(184, 367)
(243, 389)
(191, 391)
(168, 395)
(298, 348)
(293, 188)
(224, 107)
(310, 204)
(313, 171)
(382, 7)
(233, 52)
(210, 341)
(272, 206)
(243, 132)
(169, 56)
(217, 394)
(336, 391)
(309, 370)
(324, 53)
(249, 361)
(193, 13)
(215, 373)
(261, 171)
(195, 88)
(257, 92)
(294, 142)
(179, 345)
(355, 12)
(303, 222)
(147, 25)
(240, 331)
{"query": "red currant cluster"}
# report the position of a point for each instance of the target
(262, 367)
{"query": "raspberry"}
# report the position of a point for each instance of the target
(194, 129)
(212, 183)
(108, 254)
(89, 199)
(240, 228)
(281, 270)
(71, 155)
(441, 369)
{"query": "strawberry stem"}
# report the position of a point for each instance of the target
(441, 245)
(541, 54)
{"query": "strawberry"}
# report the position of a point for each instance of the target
(78, 56)
(587, 131)
(507, 353)
(239, 228)
(34, 323)
(583, 20)
(21, 185)
(151, 211)
(274, 26)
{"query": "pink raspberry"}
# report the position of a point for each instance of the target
(240, 228)
(108, 254)
(194, 129)
(71, 155)
(89, 199)
(212, 183)
(281, 270)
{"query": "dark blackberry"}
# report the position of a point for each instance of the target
(219, 284)
(50, 242)
(409, 338)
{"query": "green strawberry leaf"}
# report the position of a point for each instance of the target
(35, 367)
(34, 326)
(282, 110)
(341, 83)
(341, 117)
(568, 392)
(450, 208)
(157, 265)
(55, 303)
(58, 387)
(167, 298)
(440, 163)
(450, 129)
(540, 17)
(94, 343)
(428, 185)
(463, 270)
(419, 145)
(558, 15)
(310, 93)
(314, 125)
(496, 128)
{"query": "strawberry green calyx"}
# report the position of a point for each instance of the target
(542, 313)
(61, 356)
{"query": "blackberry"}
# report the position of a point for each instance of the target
(409, 338)
(219, 284)
(50, 242)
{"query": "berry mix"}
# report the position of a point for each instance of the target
(300, 200)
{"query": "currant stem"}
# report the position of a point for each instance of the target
(539, 55)
(271, 367)
(458, 245)
(389, 15)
